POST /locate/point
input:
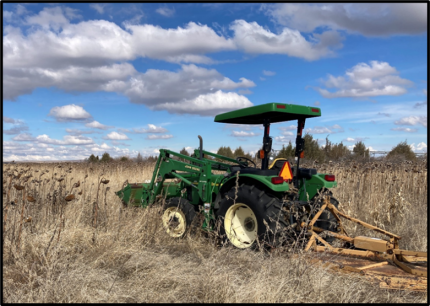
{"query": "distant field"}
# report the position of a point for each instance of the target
(91, 249)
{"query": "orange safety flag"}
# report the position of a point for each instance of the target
(286, 172)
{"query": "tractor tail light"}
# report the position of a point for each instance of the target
(329, 178)
(277, 180)
(261, 154)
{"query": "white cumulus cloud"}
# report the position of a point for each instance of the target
(421, 147)
(99, 7)
(287, 133)
(68, 113)
(97, 125)
(206, 104)
(151, 129)
(67, 140)
(116, 136)
(186, 44)
(152, 137)
(243, 134)
(23, 137)
(288, 128)
(403, 129)
(318, 130)
(283, 138)
(356, 139)
(369, 19)
(11, 120)
(192, 90)
(363, 80)
(253, 38)
(412, 120)
(165, 11)
(269, 73)
(52, 17)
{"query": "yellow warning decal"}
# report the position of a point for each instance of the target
(286, 172)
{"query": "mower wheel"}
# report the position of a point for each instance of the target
(177, 216)
(253, 219)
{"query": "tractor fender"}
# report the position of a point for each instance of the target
(261, 182)
(315, 184)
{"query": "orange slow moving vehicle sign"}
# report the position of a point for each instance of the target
(286, 172)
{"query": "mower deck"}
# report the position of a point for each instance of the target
(377, 271)
(376, 259)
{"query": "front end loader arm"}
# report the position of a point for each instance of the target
(167, 167)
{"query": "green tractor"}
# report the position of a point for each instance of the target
(248, 206)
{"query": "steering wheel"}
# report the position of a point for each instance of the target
(244, 164)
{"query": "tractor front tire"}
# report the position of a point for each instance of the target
(177, 216)
(249, 218)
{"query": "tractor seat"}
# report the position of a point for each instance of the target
(278, 163)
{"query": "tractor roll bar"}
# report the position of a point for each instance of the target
(300, 146)
(267, 145)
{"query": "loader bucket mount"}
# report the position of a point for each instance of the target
(378, 260)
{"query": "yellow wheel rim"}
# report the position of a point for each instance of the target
(241, 226)
(174, 222)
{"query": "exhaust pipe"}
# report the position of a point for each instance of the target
(201, 147)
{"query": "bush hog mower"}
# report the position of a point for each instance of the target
(277, 205)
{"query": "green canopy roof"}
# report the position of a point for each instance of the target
(275, 112)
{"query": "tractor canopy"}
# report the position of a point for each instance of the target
(273, 112)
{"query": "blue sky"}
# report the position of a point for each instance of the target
(82, 79)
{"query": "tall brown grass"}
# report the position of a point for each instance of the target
(65, 241)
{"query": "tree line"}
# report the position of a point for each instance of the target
(312, 151)
(338, 151)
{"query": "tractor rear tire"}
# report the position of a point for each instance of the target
(177, 216)
(255, 219)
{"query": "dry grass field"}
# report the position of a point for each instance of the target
(67, 238)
